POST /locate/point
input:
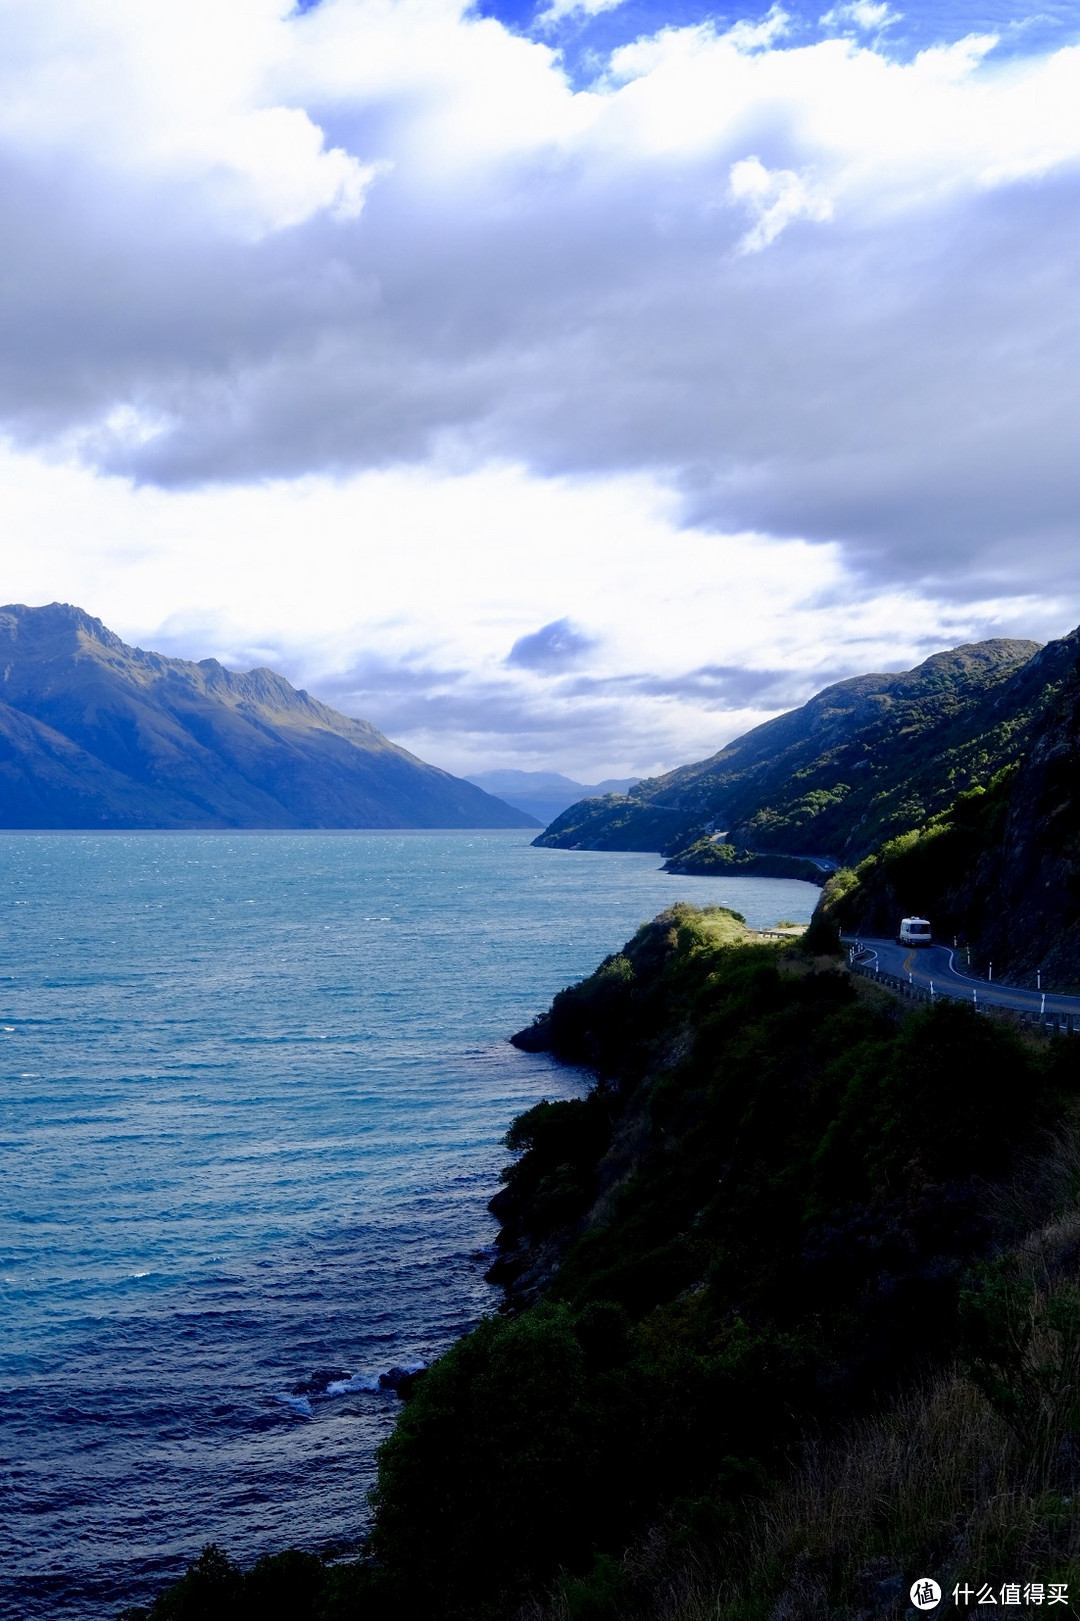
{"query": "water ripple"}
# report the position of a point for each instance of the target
(252, 1091)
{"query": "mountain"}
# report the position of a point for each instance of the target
(1000, 866)
(545, 794)
(94, 733)
(863, 760)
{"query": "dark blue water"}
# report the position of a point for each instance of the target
(252, 1090)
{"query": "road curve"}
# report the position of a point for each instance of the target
(943, 972)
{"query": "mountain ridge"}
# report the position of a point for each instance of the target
(863, 759)
(544, 794)
(94, 733)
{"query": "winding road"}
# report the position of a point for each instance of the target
(943, 971)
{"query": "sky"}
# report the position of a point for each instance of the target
(559, 384)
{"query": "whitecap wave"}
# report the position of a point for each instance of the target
(356, 1381)
(320, 1388)
(298, 1404)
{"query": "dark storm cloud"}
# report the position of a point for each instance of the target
(552, 647)
(900, 379)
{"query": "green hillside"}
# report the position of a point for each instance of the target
(864, 760)
(999, 867)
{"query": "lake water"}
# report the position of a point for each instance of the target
(252, 1091)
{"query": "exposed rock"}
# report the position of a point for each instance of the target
(320, 1381)
(401, 1380)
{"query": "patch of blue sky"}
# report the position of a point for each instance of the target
(586, 33)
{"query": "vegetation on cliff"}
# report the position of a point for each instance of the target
(785, 1290)
(716, 857)
(930, 871)
(999, 868)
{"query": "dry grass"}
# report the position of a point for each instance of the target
(951, 1482)
(941, 1486)
(914, 1488)
(1045, 1186)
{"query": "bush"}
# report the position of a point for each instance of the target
(488, 1479)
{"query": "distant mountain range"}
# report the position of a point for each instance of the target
(544, 794)
(96, 734)
(863, 761)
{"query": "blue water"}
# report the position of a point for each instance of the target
(252, 1091)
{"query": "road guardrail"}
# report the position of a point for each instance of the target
(1059, 1023)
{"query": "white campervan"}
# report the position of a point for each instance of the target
(915, 931)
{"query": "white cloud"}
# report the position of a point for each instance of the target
(777, 197)
(796, 317)
(399, 596)
(166, 95)
(869, 15)
(558, 10)
(747, 36)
